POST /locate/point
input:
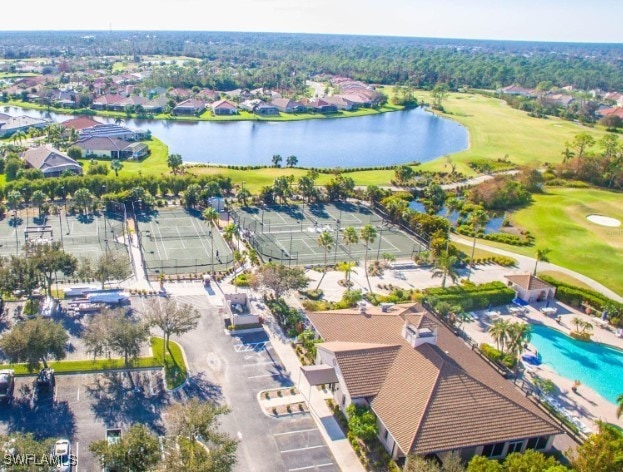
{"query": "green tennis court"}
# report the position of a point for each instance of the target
(289, 234)
(178, 241)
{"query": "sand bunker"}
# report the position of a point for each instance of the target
(604, 221)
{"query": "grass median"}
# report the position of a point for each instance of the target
(174, 366)
(86, 366)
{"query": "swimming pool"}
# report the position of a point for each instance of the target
(595, 365)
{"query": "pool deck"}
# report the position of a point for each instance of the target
(586, 404)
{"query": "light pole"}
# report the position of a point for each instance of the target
(378, 252)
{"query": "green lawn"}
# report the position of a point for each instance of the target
(497, 130)
(88, 365)
(175, 367)
(558, 221)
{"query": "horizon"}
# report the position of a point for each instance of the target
(560, 21)
(302, 33)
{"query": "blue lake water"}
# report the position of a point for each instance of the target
(595, 365)
(366, 141)
(494, 225)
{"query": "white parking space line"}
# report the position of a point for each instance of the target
(258, 363)
(78, 394)
(258, 376)
(296, 432)
(327, 464)
(77, 456)
(302, 448)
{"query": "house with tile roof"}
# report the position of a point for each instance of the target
(80, 122)
(530, 288)
(287, 105)
(224, 107)
(431, 394)
(15, 124)
(51, 161)
(111, 148)
(190, 107)
(106, 102)
(516, 90)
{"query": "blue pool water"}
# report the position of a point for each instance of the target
(595, 365)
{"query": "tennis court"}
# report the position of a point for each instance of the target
(83, 236)
(178, 241)
(289, 234)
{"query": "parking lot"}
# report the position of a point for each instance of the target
(298, 440)
(82, 407)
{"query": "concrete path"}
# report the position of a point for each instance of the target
(527, 265)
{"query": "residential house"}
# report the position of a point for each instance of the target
(111, 148)
(321, 105)
(156, 105)
(208, 95)
(50, 161)
(137, 151)
(530, 288)
(80, 123)
(558, 99)
(286, 105)
(16, 124)
(616, 111)
(106, 102)
(110, 131)
(615, 97)
(179, 94)
(431, 393)
(192, 107)
(224, 107)
(516, 90)
(129, 103)
(340, 102)
(63, 98)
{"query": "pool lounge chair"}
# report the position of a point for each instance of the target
(619, 333)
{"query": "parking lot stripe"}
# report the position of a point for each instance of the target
(258, 376)
(295, 432)
(77, 455)
(302, 449)
(258, 363)
(78, 394)
(311, 467)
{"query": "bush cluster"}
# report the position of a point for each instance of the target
(472, 297)
(497, 356)
(575, 296)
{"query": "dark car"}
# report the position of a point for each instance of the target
(7, 385)
(44, 385)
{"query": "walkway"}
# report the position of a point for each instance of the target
(527, 264)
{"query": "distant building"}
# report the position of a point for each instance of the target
(80, 123)
(51, 161)
(224, 107)
(530, 288)
(110, 131)
(190, 107)
(286, 105)
(516, 90)
(111, 148)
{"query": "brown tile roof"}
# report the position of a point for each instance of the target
(364, 366)
(224, 104)
(433, 396)
(528, 282)
(80, 122)
(46, 158)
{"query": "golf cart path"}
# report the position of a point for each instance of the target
(527, 263)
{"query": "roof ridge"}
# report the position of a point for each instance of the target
(431, 395)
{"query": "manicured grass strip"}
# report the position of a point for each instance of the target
(568, 279)
(478, 253)
(175, 367)
(84, 366)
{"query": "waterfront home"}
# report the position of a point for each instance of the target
(129, 103)
(320, 105)
(516, 90)
(530, 288)
(156, 105)
(190, 107)
(110, 148)
(431, 393)
(340, 102)
(287, 105)
(106, 102)
(50, 161)
(224, 107)
(264, 109)
(110, 131)
(80, 123)
(15, 124)
(558, 99)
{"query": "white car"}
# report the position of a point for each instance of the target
(62, 453)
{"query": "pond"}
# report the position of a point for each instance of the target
(365, 141)
(494, 225)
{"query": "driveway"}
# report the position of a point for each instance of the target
(236, 369)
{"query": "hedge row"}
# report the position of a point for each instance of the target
(479, 300)
(575, 296)
(497, 356)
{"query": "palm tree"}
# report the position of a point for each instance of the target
(325, 240)
(620, 405)
(368, 236)
(518, 335)
(347, 268)
(445, 266)
(38, 198)
(500, 331)
(477, 219)
(242, 196)
(349, 237)
(211, 216)
(229, 232)
(116, 166)
(541, 255)
(14, 198)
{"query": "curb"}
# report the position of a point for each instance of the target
(293, 413)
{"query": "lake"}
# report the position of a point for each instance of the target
(365, 141)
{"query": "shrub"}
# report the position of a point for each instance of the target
(313, 294)
(497, 356)
(242, 280)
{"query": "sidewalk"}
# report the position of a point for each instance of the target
(330, 430)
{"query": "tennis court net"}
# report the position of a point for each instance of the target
(173, 236)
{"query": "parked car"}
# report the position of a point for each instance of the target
(62, 455)
(7, 385)
(44, 385)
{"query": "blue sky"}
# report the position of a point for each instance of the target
(545, 20)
